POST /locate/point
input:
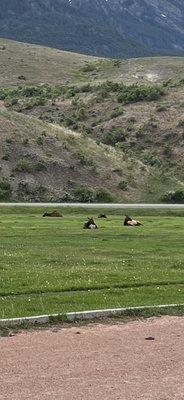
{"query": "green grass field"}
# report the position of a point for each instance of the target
(54, 266)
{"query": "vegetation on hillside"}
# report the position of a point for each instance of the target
(102, 135)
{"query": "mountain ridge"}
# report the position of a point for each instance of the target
(107, 28)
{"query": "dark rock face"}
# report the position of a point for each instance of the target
(113, 28)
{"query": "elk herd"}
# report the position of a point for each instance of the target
(91, 224)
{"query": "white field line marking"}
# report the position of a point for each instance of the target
(81, 315)
(95, 205)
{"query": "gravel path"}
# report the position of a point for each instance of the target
(105, 362)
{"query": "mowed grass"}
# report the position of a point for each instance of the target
(54, 266)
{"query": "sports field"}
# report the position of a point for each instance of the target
(52, 265)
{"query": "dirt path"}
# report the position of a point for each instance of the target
(106, 362)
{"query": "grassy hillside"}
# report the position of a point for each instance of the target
(37, 64)
(79, 128)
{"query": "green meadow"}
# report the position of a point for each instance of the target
(52, 265)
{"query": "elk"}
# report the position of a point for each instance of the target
(52, 214)
(90, 224)
(131, 222)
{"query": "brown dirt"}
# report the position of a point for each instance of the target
(107, 362)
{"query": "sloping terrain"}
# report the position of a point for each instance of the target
(110, 28)
(37, 64)
(82, 129)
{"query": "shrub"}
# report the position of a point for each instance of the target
(88, 130)
(40, 93)
(40, 166)
(103, 195)
(167, 151)
(89, 68)
(117, 63)
(39, 140)
(6, 157)
(68, 121)
(84, 160)
(86, 88)
(36, 192)
(81, 114)
(5, 190)
(40, 101)
(118, 171)
(24, 165)
(108, 87)
(173, 196)
(72, 91)
(149, 159)
(23, 189)
(117, 112)
(98, 99)
(83, 194)
(25, 141)
(134, 93)
(114, 136)
(123, 185)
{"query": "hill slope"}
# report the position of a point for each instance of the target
(113, 28)
(89, 129)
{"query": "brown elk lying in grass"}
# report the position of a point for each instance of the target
(52, 214)
(131, 222)
(90, 224)
(102, 216)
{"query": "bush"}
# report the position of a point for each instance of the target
(35, 192)
(123, 185)
(103, 196)
(40, 166)
(117, 63)
(181, 123)
(40, 93)
(82, 194)
(72, 91)
(81, 114)
(89, 68)
(24, 165)
(23, 189)
(84, 160)
(114, 136)
(6, 156)
(5, 190)
(68, 121)
(167, 151)
(149, 159)
(39, 140)
(25, 141)
(88, 130)
(117, 112)
(134, 93)
(86, 88)
(173, 196)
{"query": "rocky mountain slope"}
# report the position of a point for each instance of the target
(112, 28)
(79, 128)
